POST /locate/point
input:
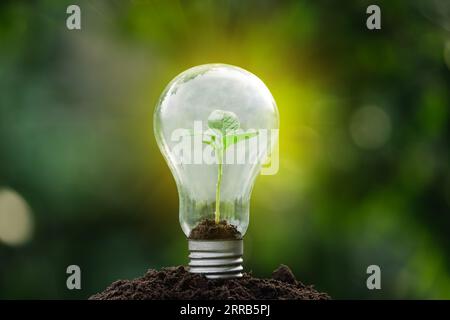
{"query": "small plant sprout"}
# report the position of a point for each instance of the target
(224, 131)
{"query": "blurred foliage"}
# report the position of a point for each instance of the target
(364, 175)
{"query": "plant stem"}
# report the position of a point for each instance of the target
(219, 181)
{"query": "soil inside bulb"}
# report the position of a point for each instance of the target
(208, 229)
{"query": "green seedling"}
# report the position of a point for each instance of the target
(224, 131)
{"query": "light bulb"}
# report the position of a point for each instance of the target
(216, 125)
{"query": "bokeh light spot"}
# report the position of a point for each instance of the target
(370, 127)
(15, 218)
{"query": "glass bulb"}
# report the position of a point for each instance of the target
(214, 125)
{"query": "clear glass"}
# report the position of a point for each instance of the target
(185, 106)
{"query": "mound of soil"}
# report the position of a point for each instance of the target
(176, 283)
(208, 229)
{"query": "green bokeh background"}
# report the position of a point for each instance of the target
(364, 142)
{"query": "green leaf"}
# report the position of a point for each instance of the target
(223, 121)
(237, 137)
(213, 137)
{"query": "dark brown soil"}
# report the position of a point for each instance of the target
(208, 229)
(176, 283)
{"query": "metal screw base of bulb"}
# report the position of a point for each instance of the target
(216, 259)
